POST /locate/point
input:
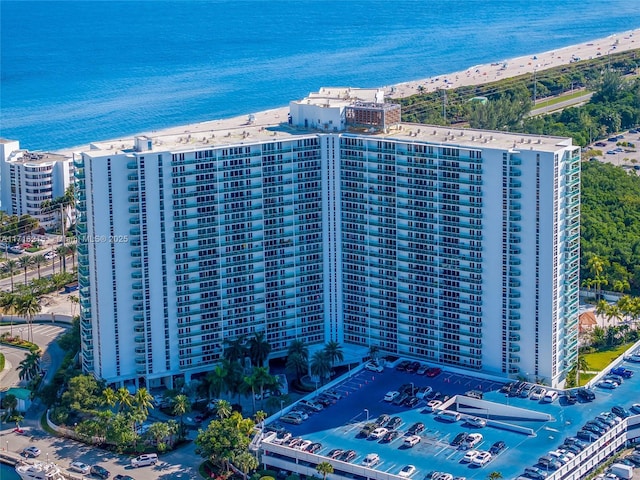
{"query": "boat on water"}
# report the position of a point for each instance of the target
(39, 471)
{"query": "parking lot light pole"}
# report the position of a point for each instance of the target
(367, 412)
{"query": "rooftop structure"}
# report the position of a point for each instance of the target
(452, 246)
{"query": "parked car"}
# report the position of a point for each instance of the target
(399, 400)
(459, 439)
(394, 423)
(144, 460)
(366, 430)
(348, 455)
(497, 447)
(535, 473)
(411, 402)
(423, 392)
(391, 396)
(416, 428)
(382, 420)
(476, 422)
(411, 441)
(571, 397)
(607, 384)
(587, 435)
(413, 367)
(586, 394)
(550, 396)
(422, 369)
(538, 393)
(100, 471)
(526, 390)
(620, 411)
(314, 447)
(390, 436)
(402, 366)
(313, 406)
(332, 394)
(481, 459)
(374, 367)
(549, 462)
(469, 456)
(378, 433)
(635, 408)
(432, 405)
(621, 371)
(31, 451)
(371, 460)
(471, 441)
(80, 467)
(433, 372)
(615, 378)
(407, 471)
(291, 419)
(601, 144)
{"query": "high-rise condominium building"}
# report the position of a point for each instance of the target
(452, 246)
(30, 178)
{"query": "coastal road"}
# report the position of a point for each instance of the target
(573, 102)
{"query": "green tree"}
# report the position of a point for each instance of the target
(297, 359)
(109, 397)
(495, 476)
(124, 399)
(120, 431)
(320, 365)
(224, 439)
(10, 266)
(29, 367)
(235, 350)
(82, 394)
(10, 403)
(259, 349)
(223, 409)
(334, 352)
(28, 306)
(143, 401)
(245, 462)
(159, 431)
(24, 262)
(215, 382)
(181, 405)
(8, 306)
(324, 469)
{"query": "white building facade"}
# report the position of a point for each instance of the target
(30, 178)
(453, 247)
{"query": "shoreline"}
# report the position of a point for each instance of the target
(474, 75)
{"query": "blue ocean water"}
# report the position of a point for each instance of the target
(79, 71)
(8, 473)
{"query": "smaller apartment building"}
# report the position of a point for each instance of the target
(30, 178)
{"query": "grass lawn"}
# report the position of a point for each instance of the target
(599, 360)
(585, 377)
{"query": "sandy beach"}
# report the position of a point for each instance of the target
(513, 67)
(474, 75)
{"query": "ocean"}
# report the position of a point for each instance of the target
(78, 71)
(8, 473)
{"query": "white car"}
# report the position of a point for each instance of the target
(80, 467)
(378, 433)
(482, 458)
(550, 397)
(50, 255)
(313, 406)
(476, 422)
(411, 441)
(407, 471)
(371, 460)
(469, 456)
(607, 384)
(31, 451)
(374, 367)
(471, 441)
(303, 445)
(391, 396)
(423, 392)
(538, 393)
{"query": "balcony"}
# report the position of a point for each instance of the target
(514, 326)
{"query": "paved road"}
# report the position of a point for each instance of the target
(573, 102)
(18, 277)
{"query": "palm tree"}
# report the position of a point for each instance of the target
(143, 400)
(223, 409)
(72, 250)
(215, 381)
(10, 266)
(324, 468)
(260, 379)
(581, 366)
(28, 307)
(109, 397)
(8, 306)
(233, 378)
(181, 405)
(62, 251)
(30, 366)
(259, 349)
(235, 351)
(299, 347)
(39, 260)
(320, 365)
(123, 398)
(260, 417)
(495, 476)
(334, 352)
(297, 364)
(374, 352)
(25, 262)
(245, 462)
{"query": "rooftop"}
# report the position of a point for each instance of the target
(526, 439)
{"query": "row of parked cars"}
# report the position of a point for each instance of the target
(304, 408)
(540, 393)
(615, 378)
(572, 446)
(418, 368)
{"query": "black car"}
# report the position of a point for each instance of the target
(571, 397)
(586, 395)
(413, 367)
(122, 477)
(402, 366)
(416, 428)
(592, 427)
(393, 423)
(382, 420)
(348, 455)
(399, 400)
(459, 439)
(314, 447)
(335, 453)
(587, 435)
(366, 430)
(390, 436)
(497, 447)
(619, 411)
(324, 401)
(411, 402)
(100, 472)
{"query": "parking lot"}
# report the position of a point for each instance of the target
(339, 425)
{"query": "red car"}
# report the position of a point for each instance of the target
(433, 372)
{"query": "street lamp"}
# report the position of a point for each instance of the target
(7, 446)
(367, 412)
(21, 330)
